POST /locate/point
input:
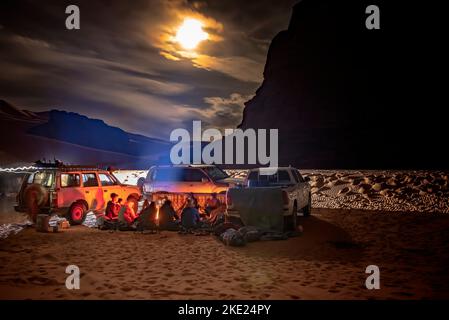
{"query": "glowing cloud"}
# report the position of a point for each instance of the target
(190, 34)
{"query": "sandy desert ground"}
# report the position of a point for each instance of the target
(411, 248)
(327, 262)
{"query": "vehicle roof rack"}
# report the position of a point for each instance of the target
(64, 167)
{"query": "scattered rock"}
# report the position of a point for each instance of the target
(344, 190)
(392, 182)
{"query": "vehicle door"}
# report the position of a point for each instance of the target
(197, 181)
(93, 192)
(69, 189)
(109, 186)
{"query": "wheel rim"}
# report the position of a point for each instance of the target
(77, 213)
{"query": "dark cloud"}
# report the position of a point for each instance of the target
(114, 67)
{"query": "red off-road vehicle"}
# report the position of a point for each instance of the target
(71, 191)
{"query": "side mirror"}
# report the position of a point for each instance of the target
(204, 180)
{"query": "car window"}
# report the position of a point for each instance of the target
(216, 173)
(193, 175)
(90, 180)
(295, 175)
(253, 175)
(168, 174)
(106, 180)
(283, 176)
(301, 178)
(44, 178)
(280, 177)
(69, 180)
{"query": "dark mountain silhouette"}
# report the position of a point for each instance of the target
(78, 129)
(72, 138)
(343, 96)
(7, 110)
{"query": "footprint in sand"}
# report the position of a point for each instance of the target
(49, 257)
(42, 281)
(110, 286)
(246, 286)
(17, 280)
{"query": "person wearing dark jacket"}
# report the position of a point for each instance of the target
(147, 217)
(190, 217)
(168, 217)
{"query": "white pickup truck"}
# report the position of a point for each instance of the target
(295, 188)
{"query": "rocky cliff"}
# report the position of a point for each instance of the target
(343, 96)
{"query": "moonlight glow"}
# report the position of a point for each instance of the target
(190, 34)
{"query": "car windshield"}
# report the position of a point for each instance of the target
(215, 173)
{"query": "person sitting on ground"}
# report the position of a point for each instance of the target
(147, 217)
(217, 215)
(212, 203)
(112, 208)
(127, 215)
(146, 204)
(191, 197)
(168, 217)
(190, 217)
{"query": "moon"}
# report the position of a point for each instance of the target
(190, 34)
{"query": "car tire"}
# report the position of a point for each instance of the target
(35, 197)
(77, 213)
(307, 210)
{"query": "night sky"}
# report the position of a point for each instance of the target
(124, 67)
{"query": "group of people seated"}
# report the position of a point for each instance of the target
(166, 218)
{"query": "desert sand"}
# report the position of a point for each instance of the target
(327, 262)
(396, 220)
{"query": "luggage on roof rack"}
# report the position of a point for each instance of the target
(65, 167)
